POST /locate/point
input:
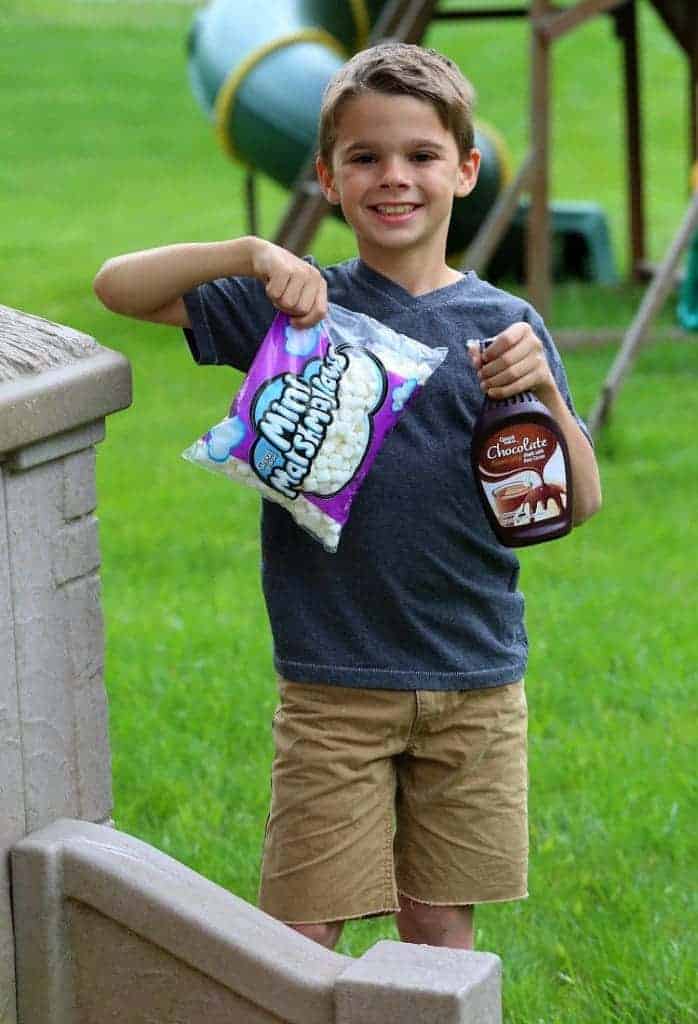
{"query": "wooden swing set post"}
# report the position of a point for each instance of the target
(548, 23)
(655, 297)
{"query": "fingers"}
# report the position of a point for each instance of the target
(299, 290)
(520, 377)
(514, 362)
(316, 313)
(508, 339)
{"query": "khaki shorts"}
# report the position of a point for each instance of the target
(377, 793)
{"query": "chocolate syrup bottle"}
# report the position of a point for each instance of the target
(522, 469)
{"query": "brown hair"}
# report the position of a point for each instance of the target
(400, 69)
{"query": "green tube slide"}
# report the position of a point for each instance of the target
(259, 71)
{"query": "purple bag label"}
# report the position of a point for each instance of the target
(312, 428)
(292, 415)
(311, 415)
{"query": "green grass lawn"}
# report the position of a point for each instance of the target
(105, 151)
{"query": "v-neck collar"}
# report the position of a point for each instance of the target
(401, 295)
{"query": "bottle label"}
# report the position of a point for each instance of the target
(522, 471)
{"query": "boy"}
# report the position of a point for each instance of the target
(399, 780)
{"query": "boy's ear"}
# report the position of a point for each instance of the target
(467, 173)
(326, 179)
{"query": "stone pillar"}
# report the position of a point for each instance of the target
(56, 387)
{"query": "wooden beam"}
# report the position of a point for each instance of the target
(407, 23)
(654, 299)
(555, 25)
(304, 213)
(679, 16)
(626, 26)
(571, 339)
(483, 246)
(488, 12)
(251, 202)
(693, 99)
(538, 243)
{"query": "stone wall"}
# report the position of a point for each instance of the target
(56, 387)
(109, 928)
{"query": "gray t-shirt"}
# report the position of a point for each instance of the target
(420, 594)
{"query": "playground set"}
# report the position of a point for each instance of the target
(96, 925)
(263, 78)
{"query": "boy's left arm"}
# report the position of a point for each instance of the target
(516, 361)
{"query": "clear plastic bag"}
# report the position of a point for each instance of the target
(312, 413)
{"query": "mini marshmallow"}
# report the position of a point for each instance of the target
(312, 413)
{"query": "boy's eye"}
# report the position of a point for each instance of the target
(363, 158)
(423, 157)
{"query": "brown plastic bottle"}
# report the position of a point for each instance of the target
(522, 470)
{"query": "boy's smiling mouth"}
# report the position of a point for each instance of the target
(394, 210)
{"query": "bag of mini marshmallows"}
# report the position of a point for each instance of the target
(313, 411)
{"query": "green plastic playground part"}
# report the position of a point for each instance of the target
(687, 309)
(581, 244)
(269, 65)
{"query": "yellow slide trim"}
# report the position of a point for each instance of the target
(501, 149)
(227, 93)
(362, 22)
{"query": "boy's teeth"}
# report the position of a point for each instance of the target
(406, 208)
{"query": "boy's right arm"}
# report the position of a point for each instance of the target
(149, 285)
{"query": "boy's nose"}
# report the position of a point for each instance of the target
(395, 174)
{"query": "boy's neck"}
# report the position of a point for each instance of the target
(412, 274)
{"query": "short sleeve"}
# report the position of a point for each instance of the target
(229, 318)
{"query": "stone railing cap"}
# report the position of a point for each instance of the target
(54, 379)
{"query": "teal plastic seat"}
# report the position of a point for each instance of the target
(580, 230)
(581, 244)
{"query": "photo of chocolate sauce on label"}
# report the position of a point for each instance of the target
(521, 466)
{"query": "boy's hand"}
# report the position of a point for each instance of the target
(294, 286)
(515, 361)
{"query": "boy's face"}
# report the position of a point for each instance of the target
(395, 171)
